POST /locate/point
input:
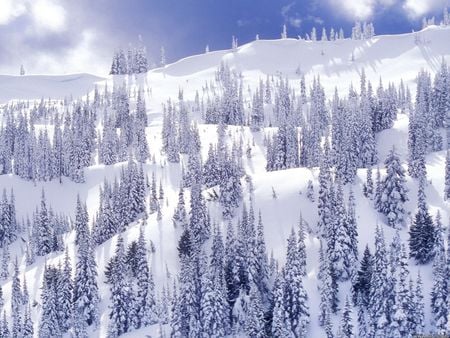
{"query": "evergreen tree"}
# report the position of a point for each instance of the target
(393, 193)
(49, 324)
(378, 288)
(213, 313)
(180, 216)
(81, 221)
(347, 328)
(439, 293)
(279, 325)
(361, 288)
(254, 325)
(121, 314)
(447, 176)
(145, 304)
(422, 232)
(65, 295)
(44, 230)
(27, 326)
(16, 302)
(419, 307)
(85, 294)
(295, 297)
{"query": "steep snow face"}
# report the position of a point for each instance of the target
(33, 87)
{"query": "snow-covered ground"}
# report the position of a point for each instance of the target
(36, 87)
(338, 63)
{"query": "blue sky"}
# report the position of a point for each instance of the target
(64, 36)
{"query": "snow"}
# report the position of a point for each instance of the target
(388, 57)
(34, 87)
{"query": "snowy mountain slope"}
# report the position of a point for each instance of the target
(35, 87)
(389, 57)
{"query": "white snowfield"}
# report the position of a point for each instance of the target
(338, 63)
(35, 87)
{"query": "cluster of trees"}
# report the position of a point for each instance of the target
(123, 131)
(222, 167)
(71, 303)
(303, 122)
(22, 324)
(30, 154)
(360, 31)
(133, 303)
(231, 292)
(426, 120)
(133, 62)
(28, 150)
(363, 31)
(9, 226)
(432, 21)
(45, 232)
(227, 104)
(121, 203)
(179, 135)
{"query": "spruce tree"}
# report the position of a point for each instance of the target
(347, 328)
(121, 313)
(393, 193)
(145, 304)
(85, 294)
(422, 232)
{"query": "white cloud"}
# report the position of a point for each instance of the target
(48, 16)
(364, 9)
(11, 9)
(295, 22)
(355, 9)
(81, 58)
(285, 9)
(418, 8)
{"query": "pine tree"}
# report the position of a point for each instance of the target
(16, 301)
(279, 325)
(27, 326)
(347, 328)
(327, 303)
(180, 216)
(340, 249)
(378, 287)
(145, 304)
(85, 294)
(310, 191)
(44, 231)
(439, 293)
(362, 320)
(49, 325)
(254, 325)
(230, 188)
(81, 221)
(121, 314)
(368, 186)
(213, 313)
(65, 295)
(419, 307)
(295, 297)
(362, 286)
(447, 176)
(422, 232)
(393, 193)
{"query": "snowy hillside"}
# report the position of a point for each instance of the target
(35, 87)
(255, 130)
